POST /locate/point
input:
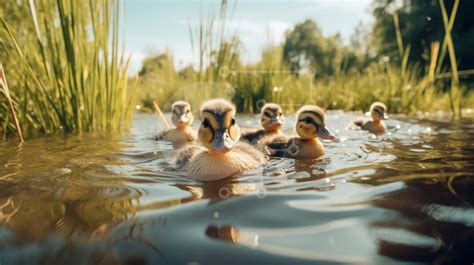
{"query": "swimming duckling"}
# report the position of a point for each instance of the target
(376, 125)
(182, 118)
(310, 124)
(221, 154)
(272, 121)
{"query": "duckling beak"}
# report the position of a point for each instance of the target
(182, 118)
(276, 122)
(222, 141)
(325, 134)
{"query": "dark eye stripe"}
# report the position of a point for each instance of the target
(309, 121)
(315, 114)
(267, 114)
(206, 124)
(379, 111)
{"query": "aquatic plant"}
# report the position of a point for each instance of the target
(72, 74)
(11, 108)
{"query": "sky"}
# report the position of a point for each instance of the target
(158, 25)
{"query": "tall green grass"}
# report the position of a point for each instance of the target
(405, 87)
(73, 75)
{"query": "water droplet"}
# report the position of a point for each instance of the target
(216, 215)
(428, 18)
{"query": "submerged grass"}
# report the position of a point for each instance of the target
(73, 76)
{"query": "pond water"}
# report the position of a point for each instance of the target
(405, 196)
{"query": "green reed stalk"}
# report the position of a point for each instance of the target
(75, 72)
(4, 86)
(457, 110)
(444, 45)
(398, 33)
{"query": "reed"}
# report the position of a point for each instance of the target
(6, 91)
(74, 74)
(454, 91)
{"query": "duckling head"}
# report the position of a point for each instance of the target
(181, 114)
(377, 111)
(272, 118)
(311, 123)
(218, 130)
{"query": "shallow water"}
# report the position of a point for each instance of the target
(405, 196)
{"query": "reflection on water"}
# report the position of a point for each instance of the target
(85, 199)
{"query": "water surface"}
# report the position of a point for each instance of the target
(405, 196)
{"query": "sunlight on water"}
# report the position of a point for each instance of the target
(402, 196)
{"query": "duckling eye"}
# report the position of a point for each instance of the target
(188, 111)
(307, 120)
(232, 122)
(206, 124)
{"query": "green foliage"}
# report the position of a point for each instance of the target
(306, 47)
(72, 75)
(421, 23)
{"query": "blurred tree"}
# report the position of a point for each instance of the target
(305, 46)
(158, 79)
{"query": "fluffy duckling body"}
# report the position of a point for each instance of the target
(182, 118)
(221, 154)
(376, 125)
(310, 124)
(272, 121)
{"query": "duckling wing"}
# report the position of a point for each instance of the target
(161, 135)
(251, 136)
(358, 123)
(281, 146)
(186, 153)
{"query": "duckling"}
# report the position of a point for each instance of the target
(220, 154)
(272, 121)
(376, 125)
(182, 118)
(310, 124)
